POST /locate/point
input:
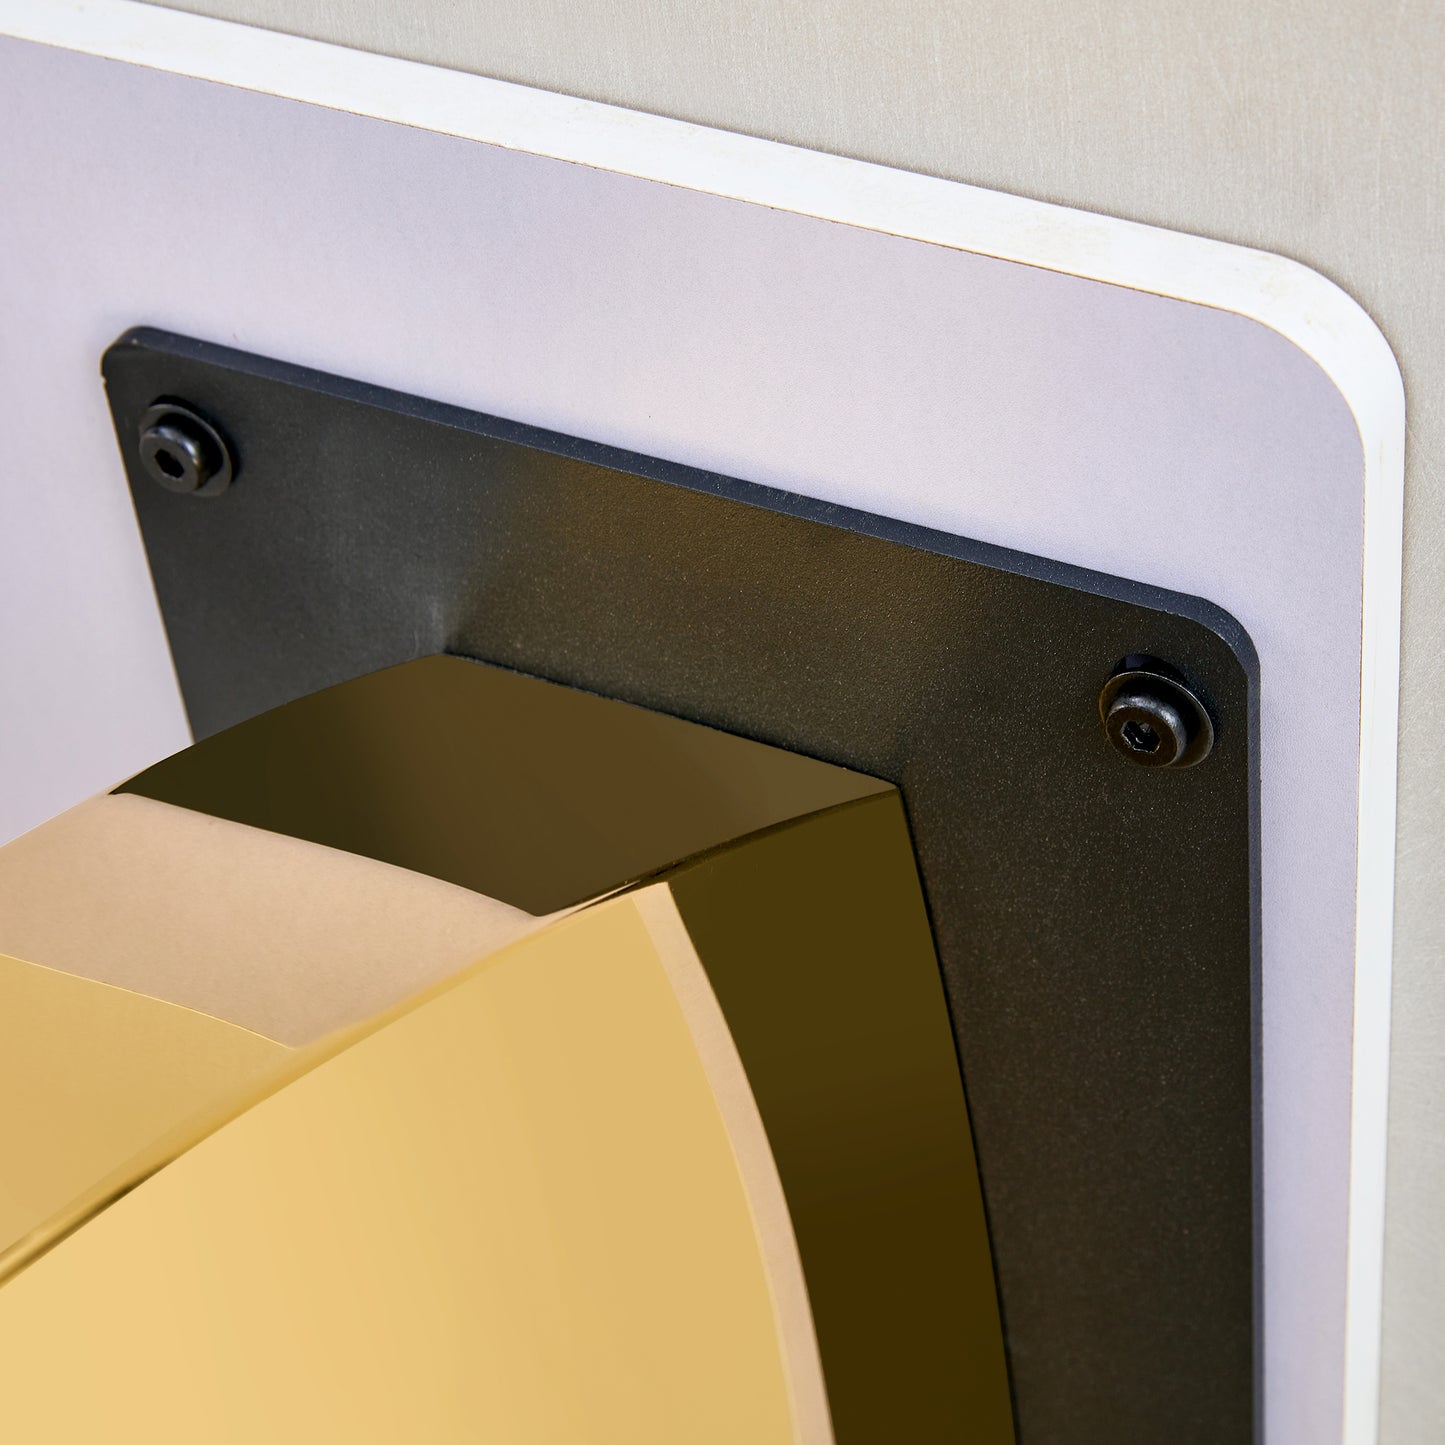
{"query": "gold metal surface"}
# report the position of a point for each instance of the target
(91, 1075)
(511, 1214)
(287, 938)
(687, 1161)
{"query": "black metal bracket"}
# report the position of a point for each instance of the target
(1096, 920)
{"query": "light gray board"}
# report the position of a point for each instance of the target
(1309, 127)
(1111, 429)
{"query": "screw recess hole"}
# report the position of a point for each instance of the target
(1141, 737)
(167, 462)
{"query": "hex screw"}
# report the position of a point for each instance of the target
(184, 452)
(1153, 718)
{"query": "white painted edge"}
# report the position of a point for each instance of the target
(1303, 306)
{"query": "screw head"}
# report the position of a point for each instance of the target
(184, 452)
(1152, 718)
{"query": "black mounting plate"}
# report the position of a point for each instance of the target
(1096, 921)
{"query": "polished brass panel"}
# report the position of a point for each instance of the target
(511, 1214)
(685, 1158)
(92, 1075)
(286, 938)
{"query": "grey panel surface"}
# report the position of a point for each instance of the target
(1309, 129)
(1117, 430)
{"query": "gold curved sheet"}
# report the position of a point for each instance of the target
(92, 1075)
(512, 1213)
(688, 1162)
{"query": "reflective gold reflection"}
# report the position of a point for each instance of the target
(683, 1156)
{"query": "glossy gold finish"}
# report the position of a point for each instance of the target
(92, 1075)
(511, 1214)
(685, 1158)
(286, 938)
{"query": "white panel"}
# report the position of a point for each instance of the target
(1180, 443)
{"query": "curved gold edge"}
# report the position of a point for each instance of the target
(115, 1185)
(536, 794)
(517, 1210)
(757, 1168)
(857, 1086)
(34, 1245)
(120, 988)
(816, 942)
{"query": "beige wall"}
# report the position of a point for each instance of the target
(1315, 128)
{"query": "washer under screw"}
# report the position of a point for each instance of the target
(182, 451)
(1152, 717)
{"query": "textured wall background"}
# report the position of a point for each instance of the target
(1315, 128)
